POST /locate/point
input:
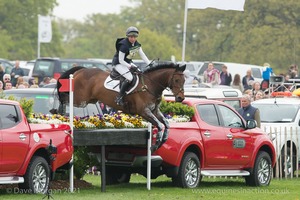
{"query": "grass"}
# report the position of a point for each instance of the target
(162, 189)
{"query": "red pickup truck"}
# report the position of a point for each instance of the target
(216, 142)
(31, 153)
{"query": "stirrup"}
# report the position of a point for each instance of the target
(119, 101)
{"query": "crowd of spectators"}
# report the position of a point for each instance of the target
(6, 82)
(247, 84)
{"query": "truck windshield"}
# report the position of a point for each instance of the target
(284, 113)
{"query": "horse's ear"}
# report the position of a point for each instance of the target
(181, 67)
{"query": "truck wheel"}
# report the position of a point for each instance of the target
(262, 172)
(290, 166)
(189, 171)
(115, 176)
(36, 179)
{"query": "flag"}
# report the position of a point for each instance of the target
(218, 4)
(65, 85)
(44, 29)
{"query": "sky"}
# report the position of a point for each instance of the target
(79, 9)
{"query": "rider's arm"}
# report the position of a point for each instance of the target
(143, 56)
(122, 61)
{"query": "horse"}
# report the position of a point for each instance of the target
(92, 85)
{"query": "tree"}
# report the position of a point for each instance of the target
(265, 32)
(19, 19)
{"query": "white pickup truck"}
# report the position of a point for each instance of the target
(280, 117)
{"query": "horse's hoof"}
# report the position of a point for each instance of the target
(164, 140)
(53, 111)
(154, 148)
(161, 143)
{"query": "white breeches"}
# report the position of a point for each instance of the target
(124, 71)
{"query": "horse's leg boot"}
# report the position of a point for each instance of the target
(123, 89)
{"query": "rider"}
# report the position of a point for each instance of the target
(127, 48)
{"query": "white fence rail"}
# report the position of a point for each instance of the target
(286, 142)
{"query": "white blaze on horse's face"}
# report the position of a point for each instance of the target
(177, 83)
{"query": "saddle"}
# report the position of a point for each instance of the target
(114, 79)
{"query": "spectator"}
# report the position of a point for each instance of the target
(31, 81)
(53, 80)
(2, 72)
(225, 76)
(267, 72)
(293, 71)
(237, 83)
(6, 78)
(287, 84)
(45, 81)
(246, 80)
(34, 86)
(247, 111)
(1, 87)
(255, 88)
(26, 84)
(15, 73)
(7, 85)
(249, 92)
(20, 80)
(259, 95)
(21, 86)
(189, 79)
(211, 75)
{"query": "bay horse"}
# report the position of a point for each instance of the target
(90, 86)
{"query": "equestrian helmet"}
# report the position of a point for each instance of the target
(132, 31)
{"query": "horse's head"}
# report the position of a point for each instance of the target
(176, 83)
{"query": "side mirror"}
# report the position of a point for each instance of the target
(251, 124)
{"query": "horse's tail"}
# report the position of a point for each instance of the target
(63, 97)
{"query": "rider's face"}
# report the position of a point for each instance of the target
(132, 39)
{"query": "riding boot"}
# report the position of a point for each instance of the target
(123, 89)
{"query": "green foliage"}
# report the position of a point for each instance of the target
(267, 31)
(175, 108)
(82, 161)
(18, 29)
(26, 104)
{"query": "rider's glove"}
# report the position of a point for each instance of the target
(135, 69)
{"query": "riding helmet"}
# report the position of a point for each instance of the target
(132, 31)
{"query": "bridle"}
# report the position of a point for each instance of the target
(171, 86)
(170, 83)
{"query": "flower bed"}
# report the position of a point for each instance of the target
(115, 120)
(176, 112)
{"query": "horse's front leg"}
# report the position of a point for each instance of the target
(149, 116)
(165, 122)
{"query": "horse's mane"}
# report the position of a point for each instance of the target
(161, 65)
(65, 75)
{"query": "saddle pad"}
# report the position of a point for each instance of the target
(113, 85)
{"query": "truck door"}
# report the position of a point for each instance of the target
(15, 139)
(238, 145)
(213, 136)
